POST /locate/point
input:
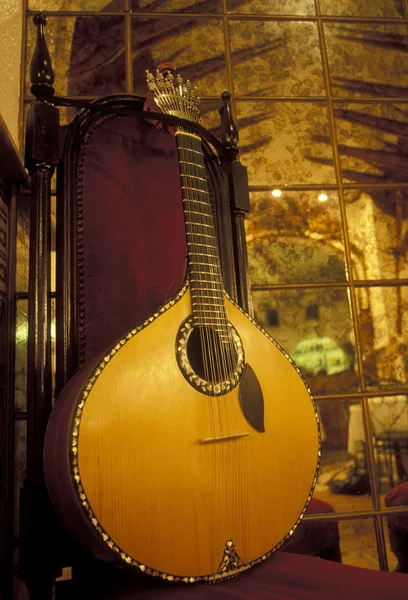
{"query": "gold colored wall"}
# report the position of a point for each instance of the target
(11, 25)
(319, 96)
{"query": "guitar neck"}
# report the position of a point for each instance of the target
(202, 247)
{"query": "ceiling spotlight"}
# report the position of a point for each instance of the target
(322, 197)
(276, 193)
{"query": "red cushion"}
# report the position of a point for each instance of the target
(319, 506)
(287, 577)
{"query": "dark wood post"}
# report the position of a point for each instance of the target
(238, 185)
(41, 156)
(12, 174)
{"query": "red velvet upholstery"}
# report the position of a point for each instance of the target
(134, 244)
(281, 577)
(294, 577)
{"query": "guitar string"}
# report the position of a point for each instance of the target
(227, 369)
(198, 289)
(224, 367)
(236, 461)
(214, 276)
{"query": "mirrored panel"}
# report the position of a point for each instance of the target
(377, 221)
(211, 119)
(358, 543)
(367, 59)
(383, 325)
(177, 6)
(389, 423)
(363, 8)
(22, 244)
(195, 46)
(87, 53)
(20, 365)
(343, 484)
(272, 7)
(372, 142)
(396, 541)
(295, 237)
(285, 142)
(77, 5)
(314, 327)
(275, 58)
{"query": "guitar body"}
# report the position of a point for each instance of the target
(151, 469)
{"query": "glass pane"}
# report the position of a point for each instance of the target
(20, 369)
(372, 142)
(272, 7)
(285, 142)
(389, 422)
(314, 328)
(343, 480)
(77, 5)
(396, 541)
(195, 46)
(378, 229)
(178, 6)
(383, 323)
(293, 237)
(276, 59)
(367, 59)
(22, 244)
(363, 8)
(87, 53)
(358, 543)
(211, 119)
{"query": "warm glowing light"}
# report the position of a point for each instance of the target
(276, 193)
(322, 198)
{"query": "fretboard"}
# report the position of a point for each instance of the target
(202, 247)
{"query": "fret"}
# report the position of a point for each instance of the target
(204, 264)
(211, 310)
(221, 298)
(188, 134)
(211, 237)
(208, 310)
(198, 225)
(192, 279)
(185, 187)
(197, 201)
(190, 150)
(195, 212)
(194, 253)
(218, 302)
(193, 177)
(203, 245)
(186, 162)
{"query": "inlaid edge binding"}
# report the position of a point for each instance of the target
(86, 507)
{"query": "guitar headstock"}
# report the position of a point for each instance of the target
(172, 95)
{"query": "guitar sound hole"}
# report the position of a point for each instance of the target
(211, 358)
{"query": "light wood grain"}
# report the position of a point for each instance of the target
(171, 502)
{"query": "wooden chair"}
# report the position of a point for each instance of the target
(120, 248)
